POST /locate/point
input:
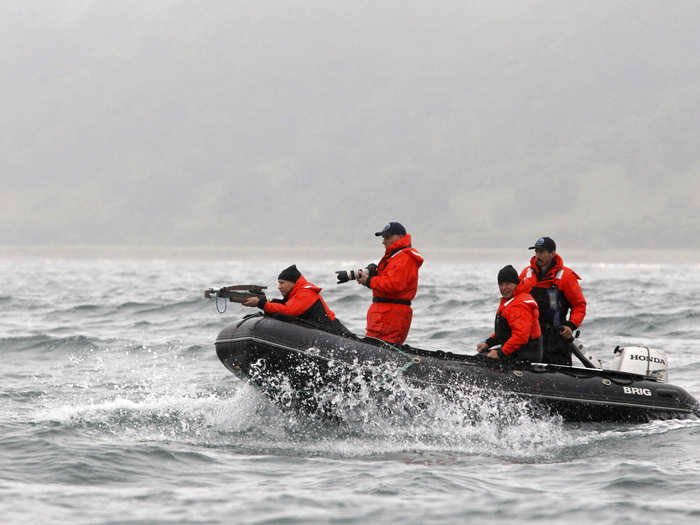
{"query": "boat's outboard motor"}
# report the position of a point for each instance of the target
(641, 360)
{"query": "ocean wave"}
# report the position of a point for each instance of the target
(692, 367)
(151, 414)
(86, 307)
(407, 418)
(350, 299)
(47, 343)
(20, 395)
(133, 305)
(444, 334)
(216, 324)
(172, 306)
(664, 324)
(448, 305)
(78, 312)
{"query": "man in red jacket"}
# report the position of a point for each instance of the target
(516, 328)
(301, 299)
(393, 287)
(558, 294)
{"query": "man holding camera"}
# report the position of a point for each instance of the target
(393, 286)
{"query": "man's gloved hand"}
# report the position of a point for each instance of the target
(566, 333)
(363, 277)
(251, 301)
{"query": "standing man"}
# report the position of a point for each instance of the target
(393, 287)
(559, 297)
(516, 329)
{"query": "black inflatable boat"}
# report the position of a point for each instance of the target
(271, 352)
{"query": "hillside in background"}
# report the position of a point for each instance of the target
(301, 123)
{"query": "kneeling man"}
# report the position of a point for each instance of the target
(517, 329)
(301, 299)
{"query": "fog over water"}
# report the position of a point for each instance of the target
(313, 123)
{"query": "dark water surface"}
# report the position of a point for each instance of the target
(115, 409)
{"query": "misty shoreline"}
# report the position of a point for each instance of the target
(343, 253)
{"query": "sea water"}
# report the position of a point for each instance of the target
(115, 409)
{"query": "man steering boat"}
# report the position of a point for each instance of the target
(561, 303)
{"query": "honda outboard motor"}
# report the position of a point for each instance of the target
(641, 360)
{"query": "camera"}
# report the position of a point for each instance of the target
(350, 275)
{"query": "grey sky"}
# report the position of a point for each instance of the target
(314, 123)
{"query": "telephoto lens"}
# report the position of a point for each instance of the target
(345, 276)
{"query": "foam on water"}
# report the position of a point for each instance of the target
(374, 418)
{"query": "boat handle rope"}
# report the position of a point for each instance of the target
(413, 359)
(408, 365)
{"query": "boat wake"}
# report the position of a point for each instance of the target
(383, 418)
(377, 402)
(367, 411)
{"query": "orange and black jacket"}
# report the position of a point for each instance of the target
(516, 324)
(304, 301)
(397, 273)
(556, 291)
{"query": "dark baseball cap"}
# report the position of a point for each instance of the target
(544, 243)
(393, 228)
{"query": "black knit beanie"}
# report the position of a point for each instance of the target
(290, 274)
(508, 274)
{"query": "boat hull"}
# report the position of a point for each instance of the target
(280, 357)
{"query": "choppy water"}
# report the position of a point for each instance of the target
(115, 409)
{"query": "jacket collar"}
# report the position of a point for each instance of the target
(403, 242)
(504, 301)
(558, 265)
(302, 283)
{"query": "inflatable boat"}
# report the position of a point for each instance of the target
(292, 362)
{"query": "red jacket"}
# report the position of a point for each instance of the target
(396, 280)
(397, 272)
(560, 277)
(300, 299)
(517, 322)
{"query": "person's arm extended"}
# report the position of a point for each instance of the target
(297, 305)
(485, 345)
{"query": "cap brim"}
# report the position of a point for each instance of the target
(379, 234)
(532, 248)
